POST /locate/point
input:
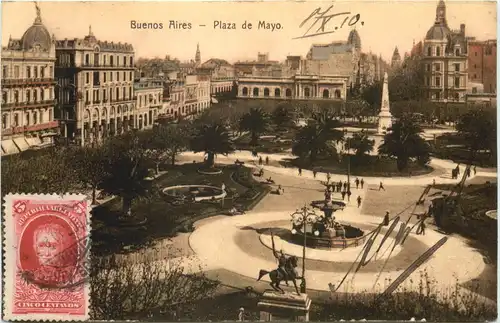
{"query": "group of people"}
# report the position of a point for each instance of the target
(261, 161)
(456, 171)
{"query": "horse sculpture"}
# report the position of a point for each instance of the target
(277, 275)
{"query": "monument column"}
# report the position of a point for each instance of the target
(385, 116)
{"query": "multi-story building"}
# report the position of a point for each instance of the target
(445, 60)
(149, 102)
(345, 58)
(305, 87)
(28, 90)
(482, 61)
(95, 88)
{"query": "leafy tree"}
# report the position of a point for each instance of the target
(406, 83)
(155, 143)
(372, 94)
(48, 171)
(256, 122)
(313, 139)
(403, 141)
(282, 116)
(212, 139)
(125, 289)
(91, 165)
(478, 129)
(126, 169)
(361, 143)
(179, 135)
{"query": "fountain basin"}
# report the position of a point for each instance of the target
(196, 192)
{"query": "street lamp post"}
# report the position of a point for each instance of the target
(305, 215)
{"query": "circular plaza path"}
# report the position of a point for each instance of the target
(241, 244)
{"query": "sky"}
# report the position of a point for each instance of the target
(382, 25)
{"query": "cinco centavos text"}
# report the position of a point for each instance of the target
(216, 24)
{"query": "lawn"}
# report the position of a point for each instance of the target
(369, 166)
(452, 147)
(164, 219)
(268, 143)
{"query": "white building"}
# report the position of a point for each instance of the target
(148, 104)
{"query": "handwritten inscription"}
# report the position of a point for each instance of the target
(319, 20)
(401, 236)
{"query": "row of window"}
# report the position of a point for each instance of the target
(107, 77)
(487, 51)
(288, 92)
(148, 99)
(437, 81)
(438, 96)
(28, 96)
(125, 93)
(30, 118)
(113, 60)
(436, 51)
(437, 67)
(35, 71)
(96, 59)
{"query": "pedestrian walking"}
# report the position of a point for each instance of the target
(381, 186)
(339, 186)
(345, 186)
(362, 182)
(458, 169)
(386, 218)
(359, 201)
(267, 160)
(468, 172)
(357, 182)
(241, 314)
(300, 171)
(328, 177)
(433, 182)
(474, 169)
(421, 227)
(343, 195)
(260, 160)
(348, 196)
(314, 173)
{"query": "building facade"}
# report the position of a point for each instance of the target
(95, 88)
(148, 104)
(298, 87)
(482, 61)
(445, 60)
(28, 90)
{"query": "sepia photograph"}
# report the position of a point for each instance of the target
(249, 161)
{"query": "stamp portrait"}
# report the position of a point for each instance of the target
(46, 254)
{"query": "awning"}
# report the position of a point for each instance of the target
(33, 141)
(214, 100)
(9, 147)
(21, 143)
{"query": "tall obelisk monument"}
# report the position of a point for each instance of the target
(385, 116)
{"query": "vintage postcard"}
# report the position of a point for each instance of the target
(249, 161)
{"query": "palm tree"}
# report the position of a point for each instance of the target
(256, 122)
(314, 138)
(403, 141)
(212, 139)
(282, 116)
(361, 143)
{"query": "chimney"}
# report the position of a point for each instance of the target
(462, 29)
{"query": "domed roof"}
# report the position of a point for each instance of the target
(438, 32)
(36, 35)
(354, 39)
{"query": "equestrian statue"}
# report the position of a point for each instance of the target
(286, 271)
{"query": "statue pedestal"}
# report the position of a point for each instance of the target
(275, 306)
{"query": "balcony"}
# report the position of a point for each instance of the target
(35, 104)
(28, 82)
(35, 127)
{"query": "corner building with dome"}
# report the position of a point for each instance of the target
(28, 84)
(445, 60)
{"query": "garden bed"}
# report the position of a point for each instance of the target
(369, 166)
(164, 218)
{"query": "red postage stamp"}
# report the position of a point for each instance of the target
(46, 257)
